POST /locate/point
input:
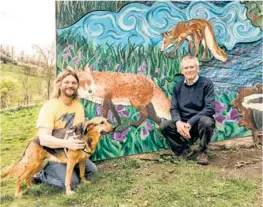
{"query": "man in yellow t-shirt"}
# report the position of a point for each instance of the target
(62, 111)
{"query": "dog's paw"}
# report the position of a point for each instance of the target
(70, 192)
(85, 181)
(18, 195)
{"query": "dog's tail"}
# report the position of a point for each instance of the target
(9, 171)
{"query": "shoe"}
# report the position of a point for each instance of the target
(36, 179)
(202, 159)
(182, 151)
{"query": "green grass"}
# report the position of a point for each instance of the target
(17, 73)
(125, 181)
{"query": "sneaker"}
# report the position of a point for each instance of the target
(36, 179)
(202, 159)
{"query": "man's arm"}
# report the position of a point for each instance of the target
(47, 140)
(174, 110)
(209, 109)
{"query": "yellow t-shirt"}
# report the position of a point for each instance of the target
(54, 114)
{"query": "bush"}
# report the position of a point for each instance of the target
(8, 88)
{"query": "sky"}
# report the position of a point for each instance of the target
(27, 22)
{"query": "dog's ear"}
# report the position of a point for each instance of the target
(87, 126)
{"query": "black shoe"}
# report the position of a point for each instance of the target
(36, 179)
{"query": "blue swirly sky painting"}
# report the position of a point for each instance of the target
(142, 25)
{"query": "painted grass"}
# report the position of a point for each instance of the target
(124, 181)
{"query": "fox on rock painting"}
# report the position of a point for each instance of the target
(195, 31)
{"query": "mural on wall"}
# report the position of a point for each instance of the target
(249, 102)
(131, 53)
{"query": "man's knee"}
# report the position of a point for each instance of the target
(165, 124)
(206, 122)
(91, 168)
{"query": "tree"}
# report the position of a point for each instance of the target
(48, 60)
(8, 88)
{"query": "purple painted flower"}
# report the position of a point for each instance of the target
(65, 57)
(99, 110)
(99, 61)
(234, 115)
(76, 60)
(92, 67)
(105, 67)
(117, 67)
(119, 136)
(145, 129)
(165, 67)
(93, 54)
(219, 107)
(120, 109)
(158, 71)
(220, 118)
(142, 68)
(110, 64)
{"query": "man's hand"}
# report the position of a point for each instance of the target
(183, 129)
(75, 144)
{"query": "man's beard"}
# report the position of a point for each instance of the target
(69, 95)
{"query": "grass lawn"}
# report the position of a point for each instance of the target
(126, 181)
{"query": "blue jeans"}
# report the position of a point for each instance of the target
(55, 174)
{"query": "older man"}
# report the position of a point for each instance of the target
(192, 110)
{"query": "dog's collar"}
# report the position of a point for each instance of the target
(85, 150)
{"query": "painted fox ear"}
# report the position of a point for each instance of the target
(69, 68)
(87, 68)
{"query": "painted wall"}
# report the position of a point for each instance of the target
(126, 37)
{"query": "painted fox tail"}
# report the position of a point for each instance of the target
(217, 52)
(161, 104)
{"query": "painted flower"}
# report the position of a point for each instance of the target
(120, 109)
(165, 67)
(142, 68)
(219, 107)
(110, 64)
(220, 119)
(117, 67)
(158, 71)
(99, 61)
(92, 67)
(145, 129)
(234, 115)
(65, 57)
(119, 136)
(77, 59)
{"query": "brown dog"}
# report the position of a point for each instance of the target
(36, 157)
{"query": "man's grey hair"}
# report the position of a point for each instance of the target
(186, 58)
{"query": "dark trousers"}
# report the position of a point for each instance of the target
(203, 129)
